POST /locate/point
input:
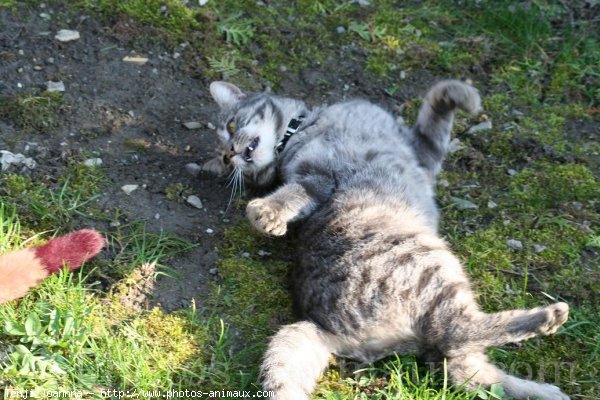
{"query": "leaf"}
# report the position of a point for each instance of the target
(13, 329)
(33, 326)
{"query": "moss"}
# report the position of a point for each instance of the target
(177, 192)
(38, 112)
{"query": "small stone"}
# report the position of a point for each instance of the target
(463, 204)
(66, 35)
(340, 29)
(194, 201)
(576, 205)
(193, 169)
(511, 172)
(209, 230)
(128, 189)
(246, 254)
(491, 204)
(402, 74)
(137, 60)
(282, 68)
(8, 160)
(455, 146)
(115, 224)
(187, 148)
(50, 60)
(514, 244)
(213, 271)
(55, 86)
(484, 126)
(37, 68)
(176, 55)
(211, 126)
(443, 183)
(157, 216)
(192, 125)
(93, 162)
(538, 248)
(21, 52)
(45, 16)
(263, 253)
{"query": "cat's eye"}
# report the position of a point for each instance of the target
(226, 159)
(231, 127)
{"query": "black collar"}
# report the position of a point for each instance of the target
(291, 129)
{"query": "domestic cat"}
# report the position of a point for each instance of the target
(373, 276)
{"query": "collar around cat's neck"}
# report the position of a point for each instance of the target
(290, 130)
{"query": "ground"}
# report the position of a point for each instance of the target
(185, 297)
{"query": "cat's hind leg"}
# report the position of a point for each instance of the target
(294, 360)
(479, 331)
(431, 134)
(472, 371)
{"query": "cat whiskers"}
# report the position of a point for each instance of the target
(236, 182)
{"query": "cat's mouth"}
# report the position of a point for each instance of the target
(247, 154)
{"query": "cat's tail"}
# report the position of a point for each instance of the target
(23, 269)
(431, 134)
(474, 370)
(295, 358)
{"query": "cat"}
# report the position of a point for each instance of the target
(20, 270)
(373, 277)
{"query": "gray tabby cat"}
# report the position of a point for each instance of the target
(373, 275)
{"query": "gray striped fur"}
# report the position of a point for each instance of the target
(373, 276)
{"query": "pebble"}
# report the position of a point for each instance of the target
(194, 201)
(263, 253)
(50, 60)
(114, 224)
(135, 60)
(45, 16)
(246, 254)
(93, 162)
(511, 172)
(202, 2)
(213, 271)
(192, 125)
(128, 189)
(157, 216)
(52, 86)
(208, 230)
(402, 74)
(340, 29)
(484, 126)
(538, 248)
(463, 204)
(514, 244)
(491, 204)
(211, 126)
(66, 35)
(193, 169)
(8, 159)
(37, 68)
(455, 146)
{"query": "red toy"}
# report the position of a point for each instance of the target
(21, 270)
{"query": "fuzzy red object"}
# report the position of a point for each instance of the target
(73, 250)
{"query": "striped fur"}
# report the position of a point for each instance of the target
(373, 277)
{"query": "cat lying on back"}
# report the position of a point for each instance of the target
(373, 275)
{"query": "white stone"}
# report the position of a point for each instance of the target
(514, 244)
(202, 2)
(93, 162)
(66, 35)
(491, 204)
(211, 126)
(128, 189)
(484, 126)
(193, 169)
(192, 125)
(463, 204)
(8, 159)
(52, 86)
(194, 201)
(538, 248)
(455, 146)
(208, 230)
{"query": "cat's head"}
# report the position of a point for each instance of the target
(249, 128)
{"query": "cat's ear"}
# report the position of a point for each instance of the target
(225, 94)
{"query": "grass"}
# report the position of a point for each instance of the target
(539, 74)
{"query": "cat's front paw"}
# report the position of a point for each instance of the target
(266, 216)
